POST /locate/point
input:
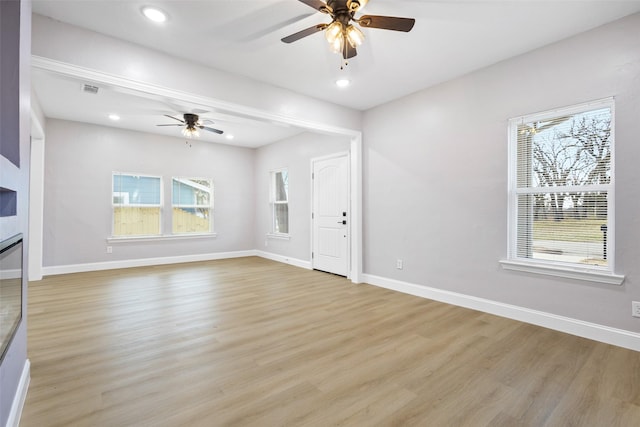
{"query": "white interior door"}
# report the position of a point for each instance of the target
(331, 222)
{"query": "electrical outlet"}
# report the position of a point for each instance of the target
(109, 249)
(399, 264)
(635, 308)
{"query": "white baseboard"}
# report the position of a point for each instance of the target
(594, 331)
(143, 262)
(284, 259)
(20, 397)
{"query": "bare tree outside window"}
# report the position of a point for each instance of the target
(563, 181)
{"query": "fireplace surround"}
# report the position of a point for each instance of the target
(11, 274)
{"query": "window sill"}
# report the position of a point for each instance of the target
(161, 238)
(278, 236)
(561, 271)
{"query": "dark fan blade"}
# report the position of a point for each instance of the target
(273, 28)
(218, 131)
(387, 23)
(349, 51)
(176, 124)
(174, 118)
(317, 5)
(304, 33)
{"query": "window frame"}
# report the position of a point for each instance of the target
(273, 202)
(211, 230)
(603, 274)
(114, 205)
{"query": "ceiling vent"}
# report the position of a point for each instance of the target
(87, 88)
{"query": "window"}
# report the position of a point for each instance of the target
(192, 203)
(136, 203)
(561, 188)
(280, 201)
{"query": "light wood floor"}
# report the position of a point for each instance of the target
(251, 342)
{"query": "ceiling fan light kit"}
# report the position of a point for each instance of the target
(333, 31)
(343, 36)
(190, 132)
(191, 125)
(354, 36)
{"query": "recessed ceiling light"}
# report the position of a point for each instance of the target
(343, 82)
(229, 136)
(114, 117)
(156, 15)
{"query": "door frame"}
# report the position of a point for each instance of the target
(350, 261)
(36, 198)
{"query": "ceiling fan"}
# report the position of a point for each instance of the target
(191, 125)
(342, 35)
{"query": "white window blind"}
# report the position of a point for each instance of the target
(279, 199)
(561, 187)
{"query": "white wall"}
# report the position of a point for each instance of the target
(435, 176)
(295, 154)
(80, 159)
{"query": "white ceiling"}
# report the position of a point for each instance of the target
(450, 38)
(63, 98)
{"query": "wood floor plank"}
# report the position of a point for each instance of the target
(252, 342)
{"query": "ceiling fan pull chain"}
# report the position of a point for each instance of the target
(343, 58)
(343, 62)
